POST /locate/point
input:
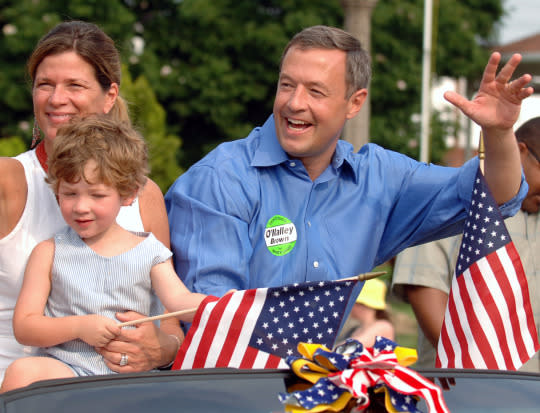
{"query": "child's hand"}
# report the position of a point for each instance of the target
(230, 291)
(97, 330)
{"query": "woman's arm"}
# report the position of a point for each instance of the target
(153, 212)
(13, 189)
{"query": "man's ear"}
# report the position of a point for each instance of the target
(356, 101)
(523, 152)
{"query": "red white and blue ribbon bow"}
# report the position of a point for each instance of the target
(351, 369)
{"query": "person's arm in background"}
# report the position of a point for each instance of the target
(422, 276)
(429, 305)
(147, 346)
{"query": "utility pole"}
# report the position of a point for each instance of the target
(358, 23)
(425, 129)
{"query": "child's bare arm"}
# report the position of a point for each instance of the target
(32, 327)
(171, 290)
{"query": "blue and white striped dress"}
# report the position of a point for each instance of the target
(84, 282)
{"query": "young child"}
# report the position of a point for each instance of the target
(369, 317)
(75, 282)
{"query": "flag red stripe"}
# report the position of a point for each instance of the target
(422, 387)
(458, 320)
(444, 340)
(249, 358)
(210, 332)
(272, 362)
(186, 344)
(235, 329)
(475, 325)
(531, 325)
(506, 288)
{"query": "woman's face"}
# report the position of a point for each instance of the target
(65, 86)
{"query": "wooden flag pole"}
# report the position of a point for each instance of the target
(157, 317)
(481, 152)
(364, 276)
(360, 277)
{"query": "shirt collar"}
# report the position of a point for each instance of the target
(344, 156)
(270, 152)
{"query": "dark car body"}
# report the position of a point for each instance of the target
(230, 390)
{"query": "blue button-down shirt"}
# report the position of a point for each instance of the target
(248, 216)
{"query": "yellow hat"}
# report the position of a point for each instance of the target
(373, 294)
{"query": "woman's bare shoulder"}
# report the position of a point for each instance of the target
(13, 189)
(11, 175)
(153, 212)
(10, 165)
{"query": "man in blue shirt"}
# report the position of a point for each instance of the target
(292, 202)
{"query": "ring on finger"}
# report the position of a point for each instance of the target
(123, 359)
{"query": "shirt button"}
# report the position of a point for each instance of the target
(309, 223)
(292, 164)
(316, 264)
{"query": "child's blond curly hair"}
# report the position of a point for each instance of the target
(119, 151)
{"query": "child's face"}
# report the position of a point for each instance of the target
(89, 208)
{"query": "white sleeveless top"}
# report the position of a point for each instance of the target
(40, 220)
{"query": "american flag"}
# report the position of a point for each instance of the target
(488, 323)
(261, 327)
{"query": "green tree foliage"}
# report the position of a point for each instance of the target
(22, 23)
(11, 146)
(218, 61)
(146, 112)
(461, 30)
(213, 64)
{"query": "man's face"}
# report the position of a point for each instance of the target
(311, 106)
(531, 168)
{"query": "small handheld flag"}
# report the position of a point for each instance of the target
(259, 328)
(488, 323)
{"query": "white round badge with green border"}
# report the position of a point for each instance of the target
(280, 235)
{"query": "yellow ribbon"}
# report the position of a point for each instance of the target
(313, 367)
